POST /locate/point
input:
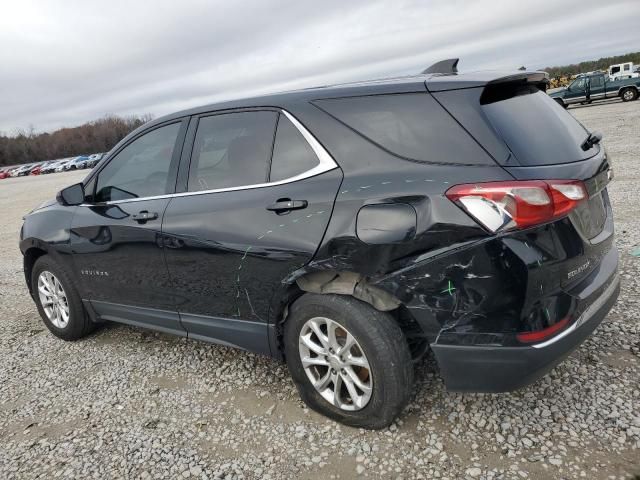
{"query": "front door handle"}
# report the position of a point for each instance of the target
(144, 216)
(284, 205)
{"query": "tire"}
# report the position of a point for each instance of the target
(629, 94)
(382, 345)
(78, 324)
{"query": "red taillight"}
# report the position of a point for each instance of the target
(519, 204)
(539, 335)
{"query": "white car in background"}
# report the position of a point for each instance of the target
(52, 166)
(63, 163)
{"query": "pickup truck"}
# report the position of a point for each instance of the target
(596, 86)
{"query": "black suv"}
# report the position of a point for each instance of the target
(347, 229)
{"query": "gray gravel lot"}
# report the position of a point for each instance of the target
(129, 403)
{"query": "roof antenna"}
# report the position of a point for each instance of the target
(443, 66)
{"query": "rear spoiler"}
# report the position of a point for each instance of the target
(444, 76)
(513, 85)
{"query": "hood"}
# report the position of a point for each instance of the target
(45, 204)
(551, 91)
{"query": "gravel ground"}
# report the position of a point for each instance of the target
(128, 403)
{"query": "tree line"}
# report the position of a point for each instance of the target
(591, 65)
(93, 137)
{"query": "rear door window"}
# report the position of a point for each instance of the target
(537, 130)
(232, 150)
(413, 126)
(292, 154)
(596, 81)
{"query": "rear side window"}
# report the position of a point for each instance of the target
(231, 150)
(413, 126)
(596, 81)
(537, 130)
(292, 154)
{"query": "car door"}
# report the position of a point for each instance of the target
(596, 87)
(244, 223)
(116, 238)
(576, 92)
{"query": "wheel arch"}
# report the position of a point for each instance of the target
(621, 90)
(348, 283)
(30, 256)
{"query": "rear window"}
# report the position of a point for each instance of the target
(413, 126)
(537, 130)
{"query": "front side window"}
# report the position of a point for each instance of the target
(141, 169)
(578, 84)
(232, 150)
(292, 154)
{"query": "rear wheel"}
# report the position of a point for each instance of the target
(58, 301)
(629, 94)
(349, 361)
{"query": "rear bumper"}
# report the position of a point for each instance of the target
(502, 369)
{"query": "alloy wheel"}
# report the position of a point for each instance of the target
(53, 299)
(335, 364)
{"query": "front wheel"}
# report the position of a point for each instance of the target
(349, 361)
(58, 301)
(629, 94)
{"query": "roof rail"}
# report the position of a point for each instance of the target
(443, 66)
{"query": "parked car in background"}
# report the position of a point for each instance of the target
(50, 168)
(622, 71)
(347, 230)
(61, 167)
(94, 159)
(592, 87)
(23, 170)
(4, 173)
(77, 163)
(37, 170)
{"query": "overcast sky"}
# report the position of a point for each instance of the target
(63, 63)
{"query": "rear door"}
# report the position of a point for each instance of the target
(116, 235)
(258, 198)
(596, 87)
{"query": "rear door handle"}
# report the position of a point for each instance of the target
(144, 216)
(286, 205)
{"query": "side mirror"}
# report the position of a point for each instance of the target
(73, 195)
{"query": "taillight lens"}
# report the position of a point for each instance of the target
(540, 335)
(500, 206)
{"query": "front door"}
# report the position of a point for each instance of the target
(116, 238)
(255, 211)
(577, 91)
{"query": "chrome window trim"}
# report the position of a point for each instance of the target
(325, 164)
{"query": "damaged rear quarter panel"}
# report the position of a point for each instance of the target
(461, 284)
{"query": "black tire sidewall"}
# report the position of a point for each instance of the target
(79, 324)
(389, 362)
(633, 92)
